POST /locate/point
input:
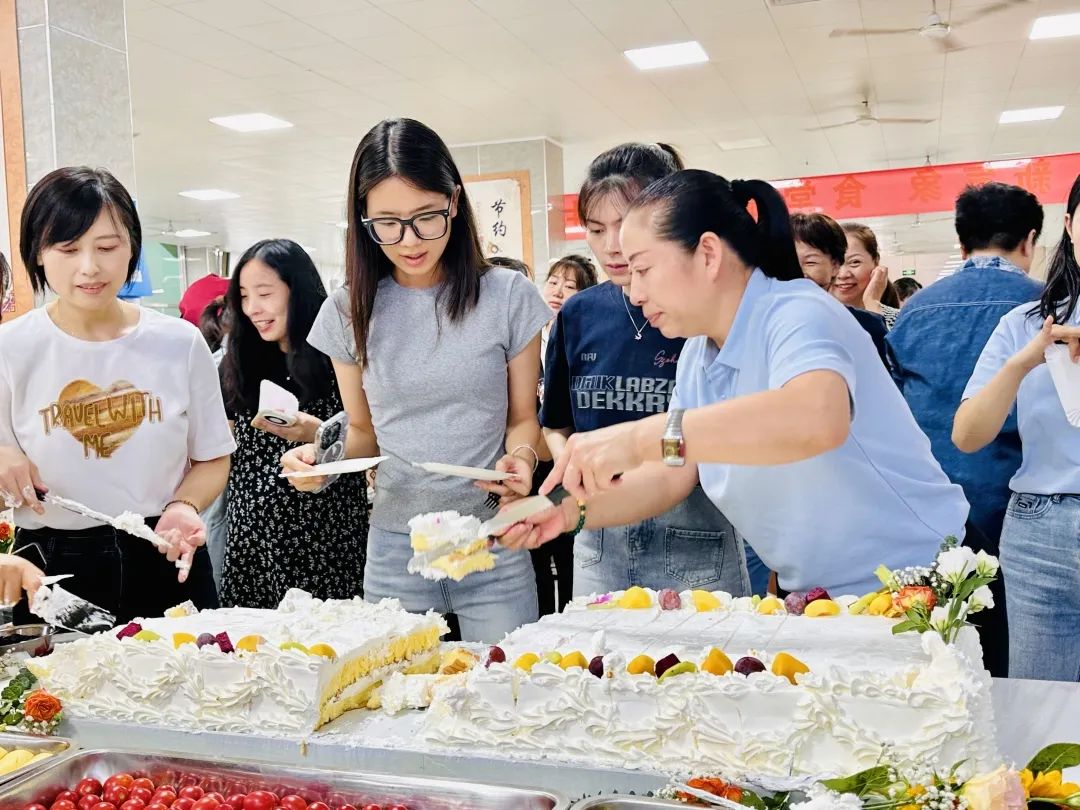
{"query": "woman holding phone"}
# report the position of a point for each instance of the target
(436, 356)
(279, 538)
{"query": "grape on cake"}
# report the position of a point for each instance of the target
(293, 669)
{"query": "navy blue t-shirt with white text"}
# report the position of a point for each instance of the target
(597, 374)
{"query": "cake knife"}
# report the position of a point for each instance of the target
(139, 529)
(525, 508)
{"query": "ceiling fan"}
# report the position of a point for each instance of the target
(864, 117)
(935, 28)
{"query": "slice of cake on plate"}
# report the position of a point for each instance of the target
(446, 544)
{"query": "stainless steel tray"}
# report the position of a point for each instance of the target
(625, 803)
(57, 746)
(333, 787)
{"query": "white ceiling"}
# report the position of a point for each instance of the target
(483, 70)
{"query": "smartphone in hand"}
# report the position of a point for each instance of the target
(330, 443)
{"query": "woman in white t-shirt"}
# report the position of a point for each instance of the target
(107, 404)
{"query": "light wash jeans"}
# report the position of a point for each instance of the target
(488, 604)
(692, 546)
(1040, 558)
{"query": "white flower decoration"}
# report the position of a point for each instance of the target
(986, 564)
(955, 564)
(981, 599)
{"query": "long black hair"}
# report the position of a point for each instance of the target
(694, 202)
(248, 358)
(624, 171)
(402, 147)
(1062, 289)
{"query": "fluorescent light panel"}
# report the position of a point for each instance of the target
(795, 183)
(206, 194)
(190, 233)
(662, 56)
(251, 122)
(1058, 25)
(745, 143)
(1030, 114)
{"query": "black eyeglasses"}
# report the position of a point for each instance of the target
(391, 230)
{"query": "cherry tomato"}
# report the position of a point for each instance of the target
(133, 804)
(165, 795)
(64, 804)
(115, 794)
(67, 796)
(260, 800)
(193, 792)
(183, 803)
(143, 782)
(397, 807)
(236, 800)
(88, 801)
(157, 806)
(372, 807)
(89, 787)
(293, 802)
(34, 807)
(104, 806)
(143, 794)
(350, 807)
(206, 803)
(317, 806)
(124, 780)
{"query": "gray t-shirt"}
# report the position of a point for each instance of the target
(437, 389)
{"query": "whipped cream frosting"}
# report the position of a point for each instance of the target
(272, 689)
(868, 694)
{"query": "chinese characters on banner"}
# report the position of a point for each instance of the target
(501, 204)
(917, 190)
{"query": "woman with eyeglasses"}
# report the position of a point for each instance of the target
(437, 356)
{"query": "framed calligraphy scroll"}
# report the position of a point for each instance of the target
(502, 204)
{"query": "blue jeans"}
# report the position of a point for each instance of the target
(759, 572)
(692, 546)
(488, 604)
(1040, 558)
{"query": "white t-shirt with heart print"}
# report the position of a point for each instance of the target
(112, 424)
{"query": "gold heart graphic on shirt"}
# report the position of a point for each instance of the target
(101, 419)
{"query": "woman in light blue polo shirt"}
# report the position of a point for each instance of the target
(792, 423)
(1040, 541)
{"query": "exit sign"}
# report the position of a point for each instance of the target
(908, 271)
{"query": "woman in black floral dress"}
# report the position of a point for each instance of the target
(280, 538)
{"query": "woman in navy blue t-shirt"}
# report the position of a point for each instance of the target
(606, 366)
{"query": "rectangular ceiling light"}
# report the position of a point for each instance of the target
(662, 56)
(795, 183)
(250, 122)
(1030, 114)
(190, 233)
(745, 143)
(208, 194)
(1058, 25)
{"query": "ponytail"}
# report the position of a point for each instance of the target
(694, 202)
(1062, 289)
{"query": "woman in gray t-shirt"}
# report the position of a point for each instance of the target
(437, 357)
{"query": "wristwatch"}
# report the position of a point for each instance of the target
(672, 446)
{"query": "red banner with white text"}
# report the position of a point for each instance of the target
(918, 190)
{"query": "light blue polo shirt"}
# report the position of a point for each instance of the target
(828, 521)
(1050, 445)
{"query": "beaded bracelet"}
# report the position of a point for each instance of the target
(580, 520)
(183, 501)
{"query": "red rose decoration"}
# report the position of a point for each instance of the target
(5, 531)
(911, 595)
(41, 706)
